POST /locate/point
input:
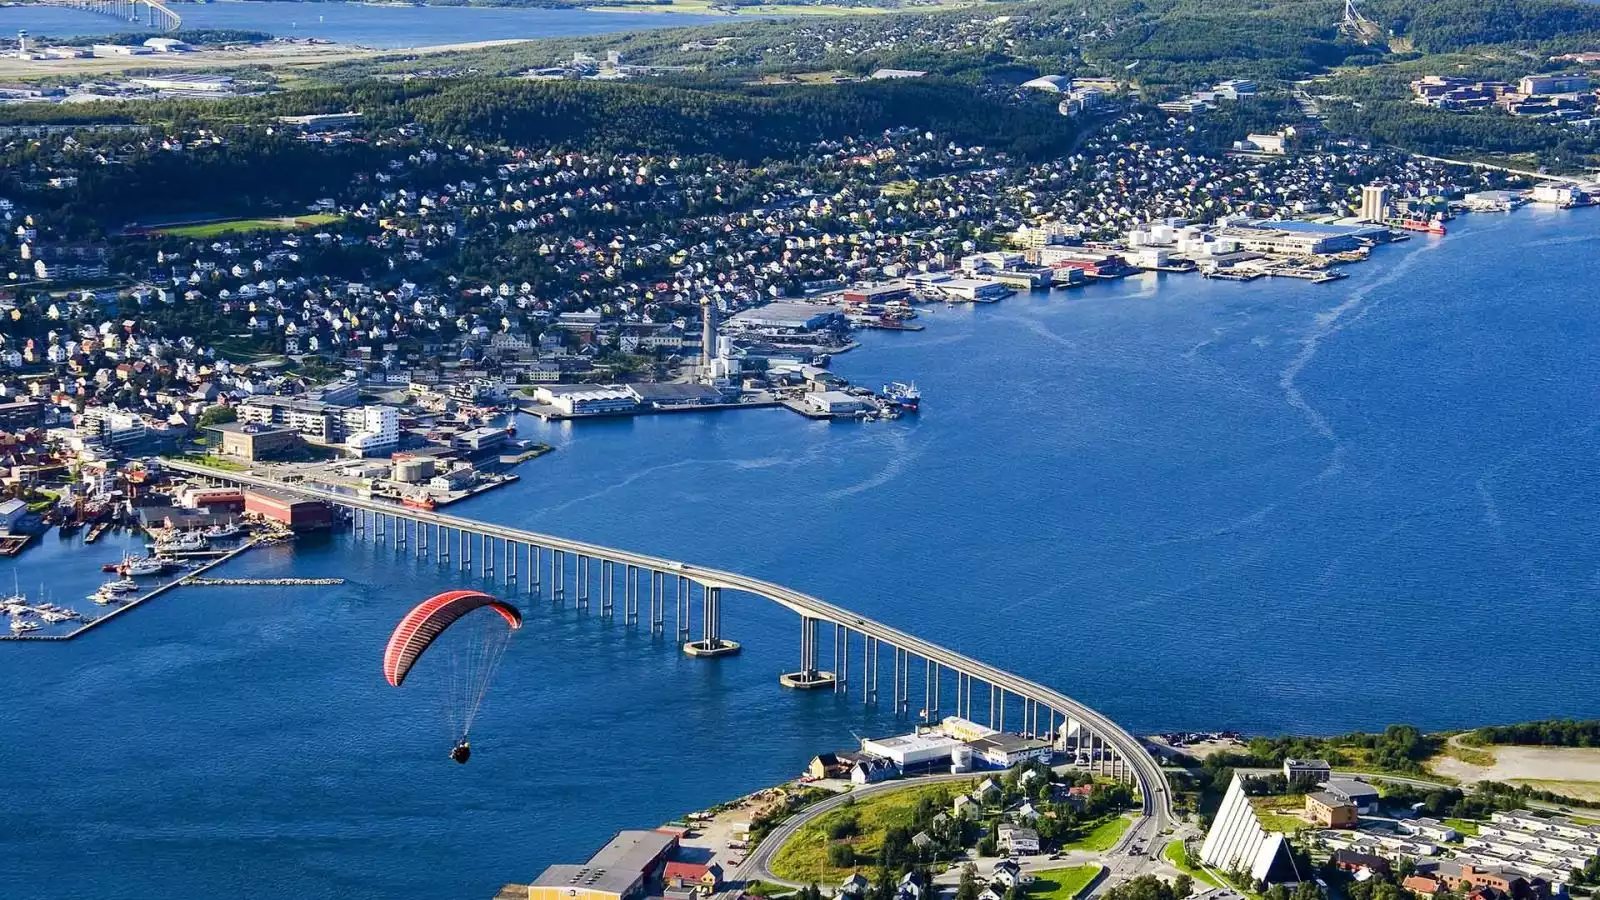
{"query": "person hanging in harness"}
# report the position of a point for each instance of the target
(462, 751)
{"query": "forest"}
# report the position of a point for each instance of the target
(1548, 733)
(754, 124)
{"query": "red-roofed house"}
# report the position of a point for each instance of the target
(692, 876)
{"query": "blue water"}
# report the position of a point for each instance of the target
(1268, 506)
(382, 27)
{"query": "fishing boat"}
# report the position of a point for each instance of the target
(185, 542)
(223, 532)
(141, 565)
(906, 396)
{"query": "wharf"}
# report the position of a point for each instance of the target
(1315, 276)
(95, 531)
(260, 582)
(158, 591)
(1227, 275)
(885, 326)
(12, 544)
(551, 414)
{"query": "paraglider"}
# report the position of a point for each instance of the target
(472, 630)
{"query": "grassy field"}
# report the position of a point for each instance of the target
(1580, 790)
(243, 226)
(1102, 836)
(1178, 855)
(804, 858)
(1061, 884)
(1281, 813)
(1465, 826)
(212, 462)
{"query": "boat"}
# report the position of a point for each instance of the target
(120, 586)
(906, 396)
(1426, 226)
(223, 532)
(186, 542)
(103, 597)
(54, 617)
(423, 502)
(23, 626)
(141, 565)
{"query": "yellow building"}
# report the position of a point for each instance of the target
(1329, 811)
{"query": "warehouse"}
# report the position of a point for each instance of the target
(788, 316)
(619, 871)
(298, 514)
(918, 750)
(1002, 751)
(588, 399)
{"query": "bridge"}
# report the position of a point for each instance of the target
(155, 14)
(531, 563)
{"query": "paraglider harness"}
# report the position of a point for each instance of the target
(461, 752)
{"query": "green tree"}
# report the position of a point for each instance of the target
(841, 855)
(969, 889)
(218, 415)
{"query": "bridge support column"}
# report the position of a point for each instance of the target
(401, 534)
(607, 583)
(658, 617)
(630, 610)
(869, 667)
(558, 576)
(486, 550)
(535, 567)
(582, 601)
(809, 677)
(711, 642)
(510, 554)
(423, 530)
(680, 599)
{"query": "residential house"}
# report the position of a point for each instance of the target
(1017, 840)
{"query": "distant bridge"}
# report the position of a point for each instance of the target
(529, 563)
(153, 14)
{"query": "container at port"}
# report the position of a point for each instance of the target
(298, 514)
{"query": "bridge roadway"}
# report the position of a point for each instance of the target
(157, 14)
(1144, 769)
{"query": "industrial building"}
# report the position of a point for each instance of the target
(363, 430)
(619, 871)
(1374, 203)
(588, 399)
(480, 439)
(297, 513)
(788, 317)
(1002, 751)
(918, 750)
(837, 403)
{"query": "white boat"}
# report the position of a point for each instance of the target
(54, 617)
(121, 586)
(103, 597)
(23, 626)
(142, 565)
(181, 543)
(223, 532)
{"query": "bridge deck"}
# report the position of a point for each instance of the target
(1145, 769)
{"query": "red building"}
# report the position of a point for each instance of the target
(298, 514)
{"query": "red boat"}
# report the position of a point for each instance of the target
(1426, 226)
(418, 502)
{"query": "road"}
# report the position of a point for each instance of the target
(1152, 783)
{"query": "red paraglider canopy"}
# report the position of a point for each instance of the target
(429, 620)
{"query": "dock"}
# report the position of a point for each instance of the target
(158, 591)
(12, 544)
(95, 531)
(259, 582)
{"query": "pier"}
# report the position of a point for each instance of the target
(137, 601)
(925, 680)
(260, 582)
